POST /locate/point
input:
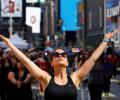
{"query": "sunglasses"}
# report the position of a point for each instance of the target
(57, 54)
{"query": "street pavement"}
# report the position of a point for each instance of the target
(114, 90)
(113, 95)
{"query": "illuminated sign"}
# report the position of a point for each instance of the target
(68, 13)
(113, 19)
(34, 1)
(114, 11)
(5, 8)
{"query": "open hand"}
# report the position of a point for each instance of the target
(111, 34)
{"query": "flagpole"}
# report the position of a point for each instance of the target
(52, 16)
(11, 28)
(11, 11)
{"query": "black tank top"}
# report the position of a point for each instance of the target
(61, 92)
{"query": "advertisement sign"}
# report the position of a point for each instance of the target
(33, 18)
(112, 13)
(5, 8)
(31, 1)
(35, 1)
(113, 19)
(68, 13)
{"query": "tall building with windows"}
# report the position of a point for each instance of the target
(101, 17)
(94, 25)
(81, 11)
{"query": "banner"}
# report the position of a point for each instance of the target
(35, 1)
(33, 18)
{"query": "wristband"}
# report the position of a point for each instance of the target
(106, 40)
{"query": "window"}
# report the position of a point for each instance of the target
(90, 20)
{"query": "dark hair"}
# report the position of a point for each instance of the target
(59, 48)
(55, 50)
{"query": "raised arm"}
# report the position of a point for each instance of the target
(87, 66)
(32, 67)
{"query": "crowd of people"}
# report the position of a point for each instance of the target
(18, 70)
(105, 68)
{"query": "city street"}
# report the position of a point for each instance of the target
(114, 92)
(82, 37)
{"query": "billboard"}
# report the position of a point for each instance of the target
(68, 13)
(31, 1)
(35, 1)
(112, 9)
(5, 8)
(113, 18)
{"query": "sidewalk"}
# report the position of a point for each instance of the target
(83, 94)
(114, 90)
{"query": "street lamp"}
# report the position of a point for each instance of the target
(11, 11)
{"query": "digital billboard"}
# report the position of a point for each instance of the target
(68, 13)
(113, 19)
(112, 14)
(5, 8)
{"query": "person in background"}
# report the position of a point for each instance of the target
(107, 75)
(60, 86)
(19, 83)
(75, 62)
(43, 63)
(1, 53)
(95, 80)
(113, 59)
(13, 61)
(5, 68)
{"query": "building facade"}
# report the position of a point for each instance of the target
(94, 23)
(100, 17)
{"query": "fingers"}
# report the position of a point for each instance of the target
(111, 34)
(115, 31)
